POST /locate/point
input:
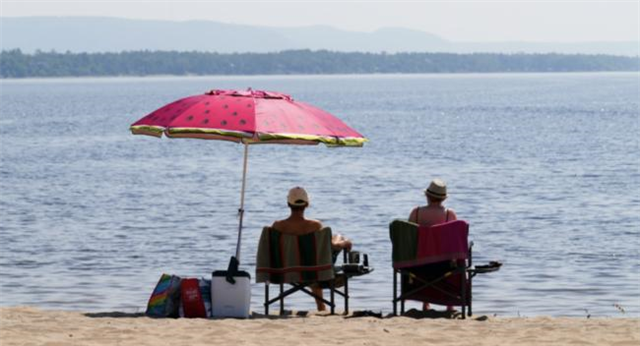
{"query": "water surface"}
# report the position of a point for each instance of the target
(544, 167)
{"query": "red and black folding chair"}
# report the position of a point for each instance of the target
(434, 264)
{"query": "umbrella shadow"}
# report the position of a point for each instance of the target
(298, 314)
(254, 315)
(286, 314)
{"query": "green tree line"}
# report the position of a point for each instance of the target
(16, 64)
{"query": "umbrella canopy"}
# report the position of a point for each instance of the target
(249, 117)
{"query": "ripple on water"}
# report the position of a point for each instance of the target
(91, 216)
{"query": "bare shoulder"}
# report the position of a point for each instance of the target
(315, 224)
(276, 224)
(452, 214)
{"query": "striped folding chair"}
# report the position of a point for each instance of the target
(299, 261)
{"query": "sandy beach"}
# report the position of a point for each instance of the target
(31, 326)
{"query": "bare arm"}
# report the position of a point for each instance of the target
(339, 241)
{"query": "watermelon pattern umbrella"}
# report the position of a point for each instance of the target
(247, 117)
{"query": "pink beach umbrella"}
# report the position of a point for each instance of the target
(247, 117)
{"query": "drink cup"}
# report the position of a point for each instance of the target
(354, 257)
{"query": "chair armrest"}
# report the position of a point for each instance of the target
(492, 266)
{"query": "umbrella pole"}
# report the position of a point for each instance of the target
(234, 262)
(241, 210)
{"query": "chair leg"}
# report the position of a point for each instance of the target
(345, 259)
(463, 293)
(402, 283)
(346, 295)
(281, 299)
(266, 299)
(470, 277)
(470, 298)
(333, 303)
(395, 292)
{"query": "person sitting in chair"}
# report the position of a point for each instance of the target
(434, 212)
(297, 224)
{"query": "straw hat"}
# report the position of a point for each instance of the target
(437, 189)
(298, 196)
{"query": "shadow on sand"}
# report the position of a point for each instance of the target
(115, 314)
(419, 314)
(413, 313)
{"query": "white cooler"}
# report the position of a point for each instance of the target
(230, 300)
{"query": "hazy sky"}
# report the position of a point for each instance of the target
(455, 20)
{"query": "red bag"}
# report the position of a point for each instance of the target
(192, 303)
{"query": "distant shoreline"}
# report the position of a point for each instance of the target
(302, 76)
(16, 64)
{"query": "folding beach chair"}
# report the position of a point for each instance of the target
(434, 264)
(300, 261)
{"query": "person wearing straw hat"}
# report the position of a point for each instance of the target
(297, 224)
(434, 212)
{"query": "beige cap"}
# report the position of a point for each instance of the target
(298, 196)
(437, 189)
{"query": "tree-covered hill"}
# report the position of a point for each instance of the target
(15, 64)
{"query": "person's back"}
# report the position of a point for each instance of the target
(296, 224)
(434, 212)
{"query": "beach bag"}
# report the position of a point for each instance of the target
(205, 293)
(193, 298)
(165, 299)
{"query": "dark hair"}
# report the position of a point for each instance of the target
(298, 207)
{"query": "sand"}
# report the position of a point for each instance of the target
(31, 326)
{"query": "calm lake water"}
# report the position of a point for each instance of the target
(544, 167)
